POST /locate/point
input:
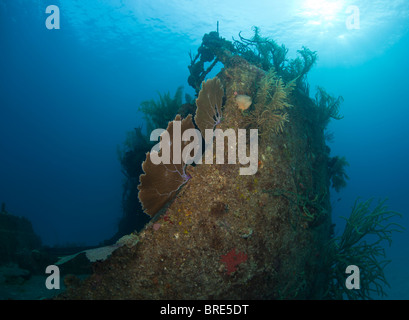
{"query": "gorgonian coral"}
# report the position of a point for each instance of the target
(361, 244)
(157, 113)
(209, 105)
(271, 103)
(160, 182)
(327, 107)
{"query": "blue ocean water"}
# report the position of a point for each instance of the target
(68, 96)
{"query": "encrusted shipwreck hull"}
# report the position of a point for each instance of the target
(232, 236)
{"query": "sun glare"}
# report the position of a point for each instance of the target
(320, 11)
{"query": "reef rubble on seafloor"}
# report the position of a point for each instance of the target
(216, 234)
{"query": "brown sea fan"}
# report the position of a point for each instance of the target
(209, 105)
(160, 182)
